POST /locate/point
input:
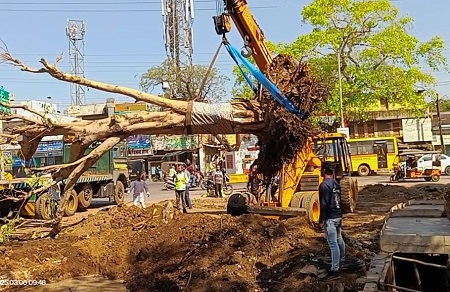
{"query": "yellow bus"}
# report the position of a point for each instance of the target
(372, 154)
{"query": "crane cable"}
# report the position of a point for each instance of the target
(265, 82)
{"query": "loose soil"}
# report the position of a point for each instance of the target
(202, 252)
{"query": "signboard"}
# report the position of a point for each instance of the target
(175, 142)
(139, 142)
(131, 107)
(437, 139)
(50, 146)
(417, 130)
(345, 131)
(4, 99)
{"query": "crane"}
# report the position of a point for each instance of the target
(299, 180)
(254, 46)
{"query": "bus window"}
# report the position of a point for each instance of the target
(365, 147)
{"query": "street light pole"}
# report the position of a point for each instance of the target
(438, 110)
(340, 86)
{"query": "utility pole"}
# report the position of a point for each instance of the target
(178, 17)
(75, 31)
(438, 110)
(340, 86)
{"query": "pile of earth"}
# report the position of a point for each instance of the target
(202, 252)
(194, 252)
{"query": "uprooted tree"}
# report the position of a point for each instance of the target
(281, 134)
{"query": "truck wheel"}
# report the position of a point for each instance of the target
(296, 201)
(119, 193)
(72, 204)
(85, 197)
(312, 205)
(45, 206)
(348, 195)
(363, 170)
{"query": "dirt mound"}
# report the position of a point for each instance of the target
(197, 251)
(287, 133)
(402, 193)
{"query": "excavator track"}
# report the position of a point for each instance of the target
(348, 194)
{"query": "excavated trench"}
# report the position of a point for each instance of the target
(418, 272)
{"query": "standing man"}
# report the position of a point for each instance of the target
(218, 181)
(188, 186)
(331, 219)
(181, 181)
(138, 187)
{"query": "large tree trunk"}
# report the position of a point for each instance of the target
(281, 133)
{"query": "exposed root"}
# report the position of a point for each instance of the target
(287, 133)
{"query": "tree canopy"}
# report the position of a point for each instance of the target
(380, 59)
(186, 83)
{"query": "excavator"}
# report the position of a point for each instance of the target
(297, 192)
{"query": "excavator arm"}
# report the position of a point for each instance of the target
(252, 34)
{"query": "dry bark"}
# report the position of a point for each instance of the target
(279, 132)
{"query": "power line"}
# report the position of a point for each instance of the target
(115, 10)
(91, 3)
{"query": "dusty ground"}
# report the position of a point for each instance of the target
(202, 252)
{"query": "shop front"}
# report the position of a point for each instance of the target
(49, 152)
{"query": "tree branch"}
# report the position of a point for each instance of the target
(175, 105)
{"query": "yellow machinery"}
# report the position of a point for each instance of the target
(299, 180)
(298, 189)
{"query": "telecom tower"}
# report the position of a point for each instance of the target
(178, 17)
(75, 31)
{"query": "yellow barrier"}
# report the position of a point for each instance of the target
(238, 178)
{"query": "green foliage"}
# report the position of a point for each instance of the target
(444, 104)
(241, 89)
(6, 231)
(379, 58)
(185, 82)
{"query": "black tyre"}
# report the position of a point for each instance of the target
(85, 197)
(393, 178)
(435, 178)
(363, 170)
(348, 195)
(296, 201)
(119, 193)
(238, 203)
(203, 185)
(72, 204)
(312, 205)
(45, 207)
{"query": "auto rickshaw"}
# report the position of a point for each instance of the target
(409, 165)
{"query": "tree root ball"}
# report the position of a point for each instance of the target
(287, 133)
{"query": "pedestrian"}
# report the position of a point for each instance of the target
(253, 181)
(181, 181)
(218, 181)
(187, 195)
(138, 187)
(330, 219)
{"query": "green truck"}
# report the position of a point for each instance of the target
(107, 178)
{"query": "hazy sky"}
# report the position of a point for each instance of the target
(124, 38)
